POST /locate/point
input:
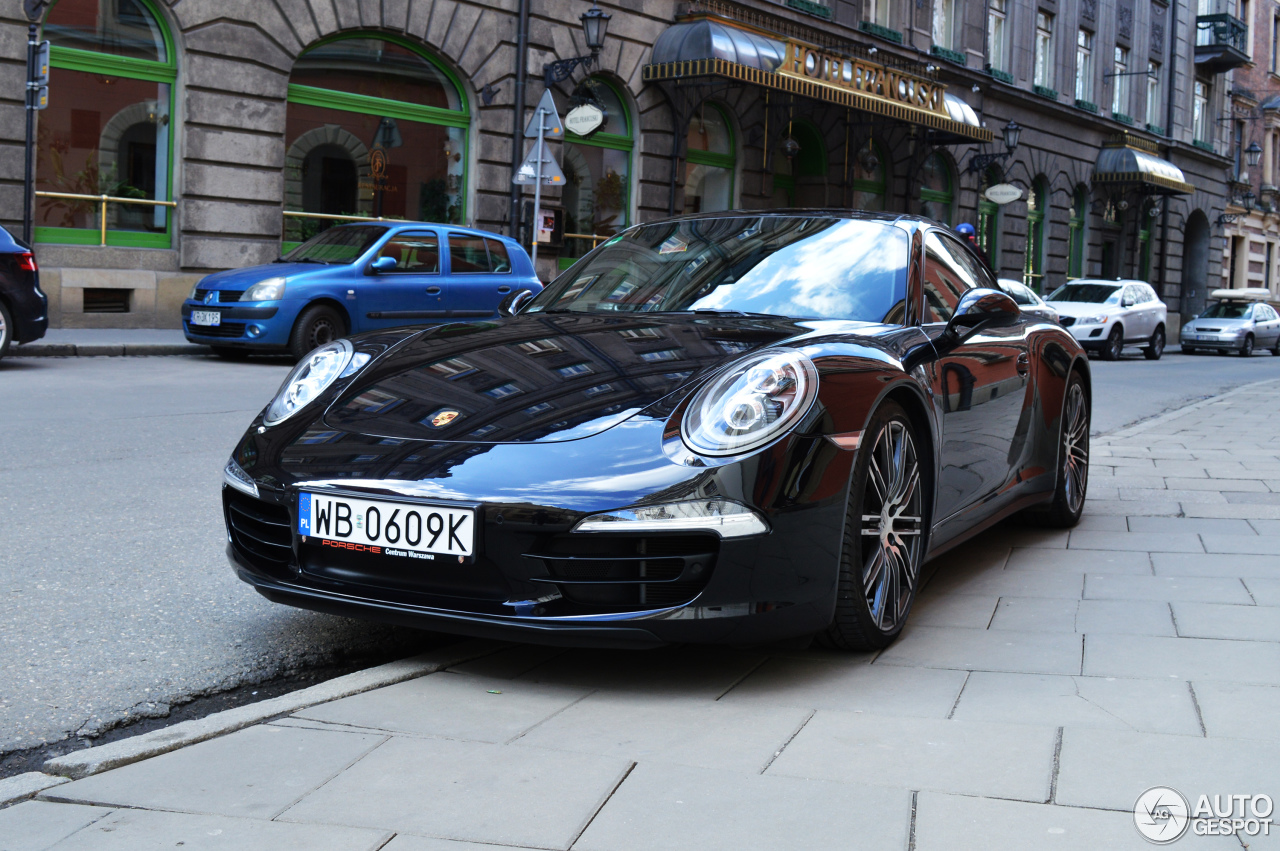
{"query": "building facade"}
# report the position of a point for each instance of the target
(257, 125)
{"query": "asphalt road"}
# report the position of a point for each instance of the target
(115, 596)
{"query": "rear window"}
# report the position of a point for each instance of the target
(467, 254)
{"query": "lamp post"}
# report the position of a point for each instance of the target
(595, 25)
(34, 10)
(981, 162)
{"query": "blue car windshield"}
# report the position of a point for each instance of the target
(804, 267)
(337, 245)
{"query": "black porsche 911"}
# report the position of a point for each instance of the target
(729, 428)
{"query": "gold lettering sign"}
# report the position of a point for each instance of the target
(867, 78)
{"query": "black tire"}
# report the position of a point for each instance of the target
(1155, 348)
(1187, 350)
(228, 353)
(1072, 483)
(316, 326)
(880, 565)
(1275, 350)
(1246, 350)
(6, 329)
(1114, 345)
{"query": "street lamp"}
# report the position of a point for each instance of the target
(595, 24)
(1253, 154)
(981, 162)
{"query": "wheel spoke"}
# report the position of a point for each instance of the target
(877, 480)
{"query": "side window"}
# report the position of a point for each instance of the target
(498, 256)
(467, 254)
(945, 281)
(417, 252)
(974, 271)
(1150, 294)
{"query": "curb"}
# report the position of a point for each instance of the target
(25, 785)
(84, 763)
(107, 350)
(1160, 419)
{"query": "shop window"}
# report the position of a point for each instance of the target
(375, 128)
(107, 128)
(1037, 209)
(937, 196)
(709, 162)
(1078, 233)
(869, 177)
(597, 170)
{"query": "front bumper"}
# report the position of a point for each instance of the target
(249, 326)
(1229, 344)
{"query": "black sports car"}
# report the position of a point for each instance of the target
(24, 309)
(722, 428)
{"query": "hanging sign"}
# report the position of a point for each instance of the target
(529, 170)
(584, 119)
(1003, 193)
(546, 117)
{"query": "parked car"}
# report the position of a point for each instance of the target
(1027, 299)
(24, 309)
(354, 278)
(1239, 321)
(1107, 316)
(728, 427)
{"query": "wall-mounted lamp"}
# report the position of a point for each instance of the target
(981, 162)
(595, 25)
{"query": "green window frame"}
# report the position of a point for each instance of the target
(612, 141)
(1037, 214)
(384, 107)
(990, 219)
(727, 161)
(88, 61)
(944, 197)
(1077, 234)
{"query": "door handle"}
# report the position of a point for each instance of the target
(1024, 364)
(433, 291)
(504, 289)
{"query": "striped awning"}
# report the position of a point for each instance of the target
(706, 46)
(1134, 161)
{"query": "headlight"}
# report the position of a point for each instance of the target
(194, 287)
(1095, 320)
(750, 404)
(272, 289)
(309, 379)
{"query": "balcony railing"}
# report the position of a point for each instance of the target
(1221, 42)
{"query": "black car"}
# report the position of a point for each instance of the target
(24, 309)
(728, 428)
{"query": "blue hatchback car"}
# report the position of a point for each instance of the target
(357, 277)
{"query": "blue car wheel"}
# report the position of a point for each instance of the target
(318, 324)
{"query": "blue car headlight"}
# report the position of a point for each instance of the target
(311, 377)
(269, 289)
(751, 403)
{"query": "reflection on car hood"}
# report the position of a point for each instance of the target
(1082, 308)
(242, 279)
(1210, 322)
(542, 377)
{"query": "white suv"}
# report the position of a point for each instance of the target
(1107, 316)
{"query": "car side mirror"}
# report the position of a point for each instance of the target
(382, 264)
(515, 302)
(981, 309)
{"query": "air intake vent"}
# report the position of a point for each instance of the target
(260, 530)
(626, 573)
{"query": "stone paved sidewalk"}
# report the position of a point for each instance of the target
(1045, 680)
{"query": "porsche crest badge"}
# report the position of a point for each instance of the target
(443, 418)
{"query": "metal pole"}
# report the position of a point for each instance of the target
(28, 185)
(517, 120)
(537, 187)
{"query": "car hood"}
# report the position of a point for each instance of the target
(1082, 308)
(541, 377)
(242, 279)
(1201, 322)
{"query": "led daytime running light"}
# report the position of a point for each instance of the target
(721, 516)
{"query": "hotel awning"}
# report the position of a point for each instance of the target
(1127, 160)
(704, 46)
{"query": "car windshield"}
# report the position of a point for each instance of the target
(1227, 310)
(336, 245)
(1017, 292)
(799, 267)
(1093, 293)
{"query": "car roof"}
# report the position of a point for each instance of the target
(401, 225)
(804, 212)
(1115, 282)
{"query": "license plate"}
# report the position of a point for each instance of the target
(379, 527)
(206, 317)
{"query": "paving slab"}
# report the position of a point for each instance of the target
(1249, 511)
(1081, 561)
(451, 705)
(661, 807)
(1147, 542)
(510, 662)
(697, 732)
(1181, 496)
(878, 689)
(1109, 769)
(254, 773)
(1266, 527)
(1265, 592)
(1153, 706)
(985, 650)
(1102, 522)
(1195, 659)
(687, 671)
(1000, 583)
(1036, 614)
(469, 791)
(954, 610)
(407, 842)
(37, 825)
(1127, 617)
(967, 823)
(1002, 760)
(1245, 623)
(1191, 525)
(1008, 535)
(130, 830)
(1239, 485)
(1266, 545)
(1166, 506)
(1214, 564)
(1194, 589)
(1239, 711)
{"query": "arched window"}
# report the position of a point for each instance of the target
(709, 162)
(107, 128)
(1037, 208)
(1078, 233)
(937, 196)
(990, 219)
(375, 127)
(597, 170)
(869, 177)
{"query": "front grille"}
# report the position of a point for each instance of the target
(1068, 321)
(628, 572)
(226, 329)
(1208, 330)
(224, 296)
(261, 530)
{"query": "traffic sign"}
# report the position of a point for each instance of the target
(42, 64)
(529, 171)
(545, 121)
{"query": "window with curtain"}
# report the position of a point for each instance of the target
(373, 127)
(1155, 106)
(997, 16)
(1044, 50)
(1200, 112)
(1084, 66)
(944, 23)
(709, 162)
(597, 169)
(881, 12)
(1120, 87)
(937, 194)
(107, 130)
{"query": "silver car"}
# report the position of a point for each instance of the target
(1027, 300)
(1106, 316)
(1238, 322)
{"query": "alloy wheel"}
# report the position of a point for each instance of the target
(891, 526)
(1247, 349)
(1075, 455)
(1115, 344)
